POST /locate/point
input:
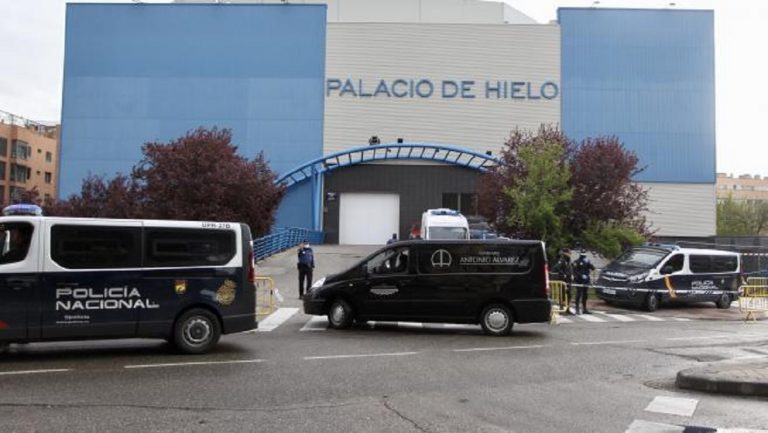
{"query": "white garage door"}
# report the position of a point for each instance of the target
(368, 219)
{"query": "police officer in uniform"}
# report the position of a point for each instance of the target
(305, 266)
(563, 271)
(582, 268)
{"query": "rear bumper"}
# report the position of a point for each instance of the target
(532, 310)
(239, 323)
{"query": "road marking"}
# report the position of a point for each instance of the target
(316, 323)
(681, 319)
(188, 364)
(707, 337)
(482, 349)
(20, 372)
(561, 319)
(363, 355)
(276, 319)
(650, 318)
(673, 405)
(619, 317)
(590, 318)
(640, 426)
(594, 343)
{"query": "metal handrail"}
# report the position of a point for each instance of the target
(282, 239)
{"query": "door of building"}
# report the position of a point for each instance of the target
(368, 218)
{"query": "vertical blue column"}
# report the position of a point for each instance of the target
(317, 199)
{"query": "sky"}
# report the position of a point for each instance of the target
(32, 53)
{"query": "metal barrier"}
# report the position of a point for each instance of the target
(282, 239)
(753, 299)
(265, 296)
(560, 299)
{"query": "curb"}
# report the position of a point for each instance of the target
(733, 380)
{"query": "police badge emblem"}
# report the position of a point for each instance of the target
(226, 293)
(181, 287)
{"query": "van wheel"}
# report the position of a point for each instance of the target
(496, 320)
(196, 331)
(340, 314)
(651, 302)
(724, 302)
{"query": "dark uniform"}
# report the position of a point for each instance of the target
(305, 266)
(581, 276)
(563, 271)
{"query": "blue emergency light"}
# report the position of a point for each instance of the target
(23, 209)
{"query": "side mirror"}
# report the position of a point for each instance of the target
(364, 270)
(666, 270)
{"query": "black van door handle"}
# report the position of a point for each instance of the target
(404, 282)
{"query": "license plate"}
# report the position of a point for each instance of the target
(609, 291)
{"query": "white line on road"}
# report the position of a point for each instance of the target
(640, 426)
(20, 372)
(316, 323)
(705, 337)
(482, 349)
(618, 317)
(650, 318)
(681, 319)
(362, 355)
(673, 405)
(590, 318)
(561, 319)
(594, 343)
(276, 319)
(187, 364)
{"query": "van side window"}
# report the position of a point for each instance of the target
(15, 238)
(394, 261)
(674, 264)
(725, 263)
(188, 247)
(700, 264)
(95, 247)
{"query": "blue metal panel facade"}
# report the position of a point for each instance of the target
(648, 77)
(142, 72)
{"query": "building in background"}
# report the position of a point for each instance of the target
(744, 187)
(29, 158)
(317, 86)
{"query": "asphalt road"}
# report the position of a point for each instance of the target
(582, 377)
(612, 374)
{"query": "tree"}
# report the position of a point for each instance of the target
(566, 192)
(198, 176)
(741, 218)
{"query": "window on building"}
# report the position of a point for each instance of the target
(3, 147)
(2, 171)
(19, 173)
(89, 247)
(48, 157)
(466, 203)
(20, 150)
(47, 177)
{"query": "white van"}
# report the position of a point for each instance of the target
(444, 224)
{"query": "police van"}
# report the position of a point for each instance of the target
(493, 283)
(76, 278)
(444, 224)
(651, 275)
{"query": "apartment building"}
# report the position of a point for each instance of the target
(29, 157)
(742, 187)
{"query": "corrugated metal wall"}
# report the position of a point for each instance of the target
(682, 209)
(437, 52)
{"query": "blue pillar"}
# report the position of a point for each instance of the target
(317, 200)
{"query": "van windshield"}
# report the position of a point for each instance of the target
(447, 233)
(641, 258)
(15, 238)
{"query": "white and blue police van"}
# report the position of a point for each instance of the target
(444, 224)
(79, 278)
(655, 274)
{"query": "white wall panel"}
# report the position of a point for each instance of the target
(371, 52)
(680, 209)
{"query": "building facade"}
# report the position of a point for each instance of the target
(743, 187)
(439, 84)
(29, 153)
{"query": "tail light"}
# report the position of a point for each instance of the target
(546, 279)
(251, 268)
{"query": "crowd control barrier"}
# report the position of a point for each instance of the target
(753, 298)
(265, 296)
(559, 297)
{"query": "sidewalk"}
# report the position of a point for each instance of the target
(749, 379)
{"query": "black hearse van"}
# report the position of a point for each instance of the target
(76, 278)
(493, 283)
(654, 274)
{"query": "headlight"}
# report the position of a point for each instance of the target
(318, 283)
(638, 278)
